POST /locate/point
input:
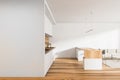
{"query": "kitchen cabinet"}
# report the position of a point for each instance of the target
(48, 26)
(92, 59)
(79, 54)
(49, 58)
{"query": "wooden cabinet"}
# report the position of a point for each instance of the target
(48, 26)
(92, 59)
(92, 53)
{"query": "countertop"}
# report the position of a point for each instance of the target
(111, 58)
(48, 49)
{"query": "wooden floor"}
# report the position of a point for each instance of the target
(71, 69)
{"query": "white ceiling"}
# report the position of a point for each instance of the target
(99, 11)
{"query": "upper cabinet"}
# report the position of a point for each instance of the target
(49, 20)
(48, 26)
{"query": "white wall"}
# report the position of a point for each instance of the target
(70, 35)
(21, 38)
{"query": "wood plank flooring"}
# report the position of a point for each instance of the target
(71, 69)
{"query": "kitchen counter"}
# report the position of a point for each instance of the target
(111, 58)
(48, 49)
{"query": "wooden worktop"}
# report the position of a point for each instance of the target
(47, 50)
(91, 53)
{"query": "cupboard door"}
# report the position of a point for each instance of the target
(48, 26)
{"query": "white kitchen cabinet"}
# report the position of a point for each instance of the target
(79, 54)
(92, 64)
(49, 58)
(48, 26)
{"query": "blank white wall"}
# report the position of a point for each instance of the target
(21, 38)
(70, 35)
